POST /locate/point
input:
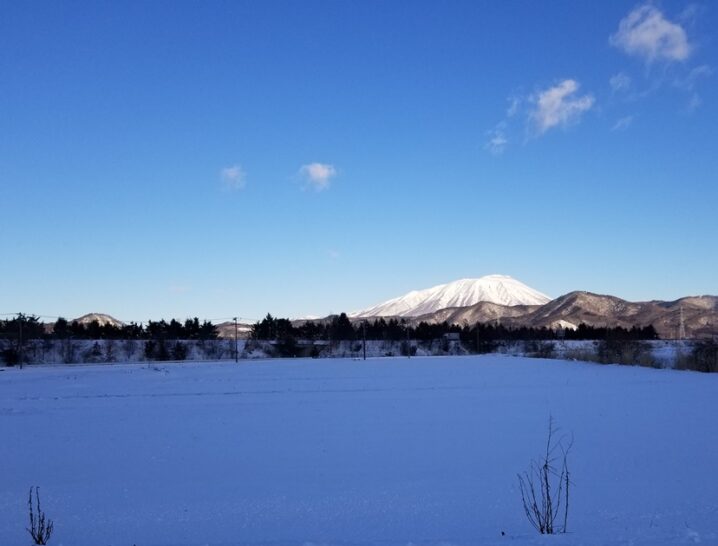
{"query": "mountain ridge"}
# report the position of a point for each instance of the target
(700, 314)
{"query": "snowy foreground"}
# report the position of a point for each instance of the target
(389, 451)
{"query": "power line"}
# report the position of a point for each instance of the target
(243, 320)
(28, 315)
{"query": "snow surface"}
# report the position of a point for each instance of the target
(420, 451)
(499, 289)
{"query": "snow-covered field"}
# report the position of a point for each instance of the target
(385, 451)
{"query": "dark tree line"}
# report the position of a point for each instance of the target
(480, 336)
(24, 327)
(153, 330)
(161, 337)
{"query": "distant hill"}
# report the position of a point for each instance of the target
(483, 312)
(226, 330)
(101, 318)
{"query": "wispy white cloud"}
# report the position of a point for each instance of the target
(317, 176)
(559, 106)
(622, 124)
(647, 34)
(233, 178)
(497, 139)
(620, 82)
(698, 73)
(690, 13)
(514, 105)
(694, 103)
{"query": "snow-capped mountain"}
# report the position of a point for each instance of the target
(499, 289)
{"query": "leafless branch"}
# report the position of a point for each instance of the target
(553, 484)
(40, 527)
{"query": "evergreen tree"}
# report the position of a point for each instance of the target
(341, 328)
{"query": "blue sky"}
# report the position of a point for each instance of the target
(212, 159)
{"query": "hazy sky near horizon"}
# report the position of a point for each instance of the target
(213, 159)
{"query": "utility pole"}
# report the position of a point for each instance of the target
(364, 336)
(408, 344)
(236, 342)
(19, 338)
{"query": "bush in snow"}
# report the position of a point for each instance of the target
(150, 348)
(129, 346)
(407, 349)
(40, 527)
(162, 351)
(545, 487)
(540, 349)
(583, 354)
(179, 351)
(93, 354)
(68, 351)
(703, 358)
(10, 356)
(109, 355)
(622, 351)
(156, 350)
(286, 347)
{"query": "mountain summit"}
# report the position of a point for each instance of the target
(101, 318)
(499, 289)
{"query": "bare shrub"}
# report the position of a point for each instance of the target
(40, 527)
(583, 355)
(9, 355)
(407, 349)
(150, 349)
(93, 354)
(109, 350)
(681, 360)
(629, 352)
(129, 346)
(539, 349)
(249, 346)
(179, 351)
(69, 351)
(229, 348)
(702, 358)
(545, 486)
(47, 346)
(287, 347)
